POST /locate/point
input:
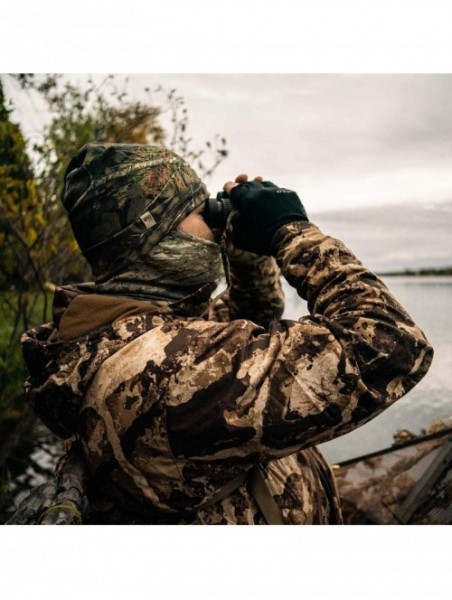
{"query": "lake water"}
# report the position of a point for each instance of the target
(429, 302)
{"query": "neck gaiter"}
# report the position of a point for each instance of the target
(177, 267)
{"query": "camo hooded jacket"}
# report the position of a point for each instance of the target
(170, 406)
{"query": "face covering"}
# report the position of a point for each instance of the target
(178, 267)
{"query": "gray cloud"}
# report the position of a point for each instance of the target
(394, 237)
(341, 140)
(305, 129)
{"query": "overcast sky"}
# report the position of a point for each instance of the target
(339, 140)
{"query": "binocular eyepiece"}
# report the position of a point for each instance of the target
(217, 211)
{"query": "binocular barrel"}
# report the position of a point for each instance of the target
(217, 211)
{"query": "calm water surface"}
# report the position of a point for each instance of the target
(429, 302)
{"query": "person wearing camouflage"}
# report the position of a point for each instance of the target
(176, 399)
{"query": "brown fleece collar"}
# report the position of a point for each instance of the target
(87, 312)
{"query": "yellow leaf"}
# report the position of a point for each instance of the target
(31, 235)
(39, 217)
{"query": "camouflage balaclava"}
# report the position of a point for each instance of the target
(124, 203)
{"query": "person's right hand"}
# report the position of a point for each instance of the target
(262, 209)
(237, 255)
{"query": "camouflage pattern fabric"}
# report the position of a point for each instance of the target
(254, 291)
(169, 407)
(178, 266)
(119, 196)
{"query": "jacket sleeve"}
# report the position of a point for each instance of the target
(254, 293)
(257, 394)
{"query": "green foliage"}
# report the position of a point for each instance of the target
(19, 310)
(19, 206)
(19, 214)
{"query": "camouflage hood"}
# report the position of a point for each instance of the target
(120, 197)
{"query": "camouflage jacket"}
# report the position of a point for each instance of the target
(170, 407)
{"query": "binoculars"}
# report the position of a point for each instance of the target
(217, 211)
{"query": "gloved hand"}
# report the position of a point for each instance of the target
(263, 208)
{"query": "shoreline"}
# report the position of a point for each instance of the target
(418, 273)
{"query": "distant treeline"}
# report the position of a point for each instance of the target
(419, 272)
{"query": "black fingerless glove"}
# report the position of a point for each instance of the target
(263, 208)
